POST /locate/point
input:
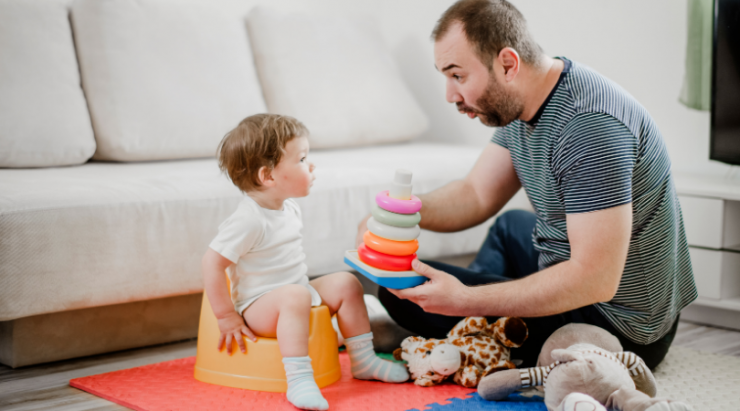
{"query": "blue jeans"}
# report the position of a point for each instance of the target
(507, 254)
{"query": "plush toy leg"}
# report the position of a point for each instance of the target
(499, 385)
(639, 371)
(629, 399)
(499, 366)
(579, 402)
(468, 376)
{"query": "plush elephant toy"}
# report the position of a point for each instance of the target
(583, 367)
(472, 349)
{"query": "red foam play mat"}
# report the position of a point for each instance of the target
(170, 386)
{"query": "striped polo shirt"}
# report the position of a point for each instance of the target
(592, 146)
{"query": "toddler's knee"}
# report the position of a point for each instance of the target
(347, 283)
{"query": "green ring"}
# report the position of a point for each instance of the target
(395, 219)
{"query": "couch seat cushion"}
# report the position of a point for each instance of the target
(107, 233)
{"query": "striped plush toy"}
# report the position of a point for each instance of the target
(584, 376)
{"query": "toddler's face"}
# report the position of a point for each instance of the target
(294, 173)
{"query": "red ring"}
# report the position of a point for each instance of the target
(384, 261)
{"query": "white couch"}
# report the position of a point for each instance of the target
(109, 192)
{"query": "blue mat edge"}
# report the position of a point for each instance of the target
(474, 402)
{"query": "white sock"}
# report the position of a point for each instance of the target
(302, 389)
(366, 365)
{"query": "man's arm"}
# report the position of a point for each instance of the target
(481, 194)
(468, 202)
(599, 243)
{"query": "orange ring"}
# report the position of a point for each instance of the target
(384, 261)
(390, 247)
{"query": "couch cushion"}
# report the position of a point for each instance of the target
(164, 79)
(43, 114)
(335, 76)
(107, 233)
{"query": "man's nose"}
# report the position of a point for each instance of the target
(451, 94)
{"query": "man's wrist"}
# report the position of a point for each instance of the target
(467, 301)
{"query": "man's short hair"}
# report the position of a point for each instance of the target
(490, 25)
(258, 141)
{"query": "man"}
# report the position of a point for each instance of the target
(606, 244)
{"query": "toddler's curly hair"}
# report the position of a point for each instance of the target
(258, 141)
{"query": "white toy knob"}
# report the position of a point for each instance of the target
(401, 188)
(445, 359)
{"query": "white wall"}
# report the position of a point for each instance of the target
(639, 44)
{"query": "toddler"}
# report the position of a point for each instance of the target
(259, 247)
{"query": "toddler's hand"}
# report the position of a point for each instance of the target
(232, 327)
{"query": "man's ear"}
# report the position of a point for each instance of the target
(265, 177)
(509, 59)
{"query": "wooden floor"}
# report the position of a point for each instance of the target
(45, 387)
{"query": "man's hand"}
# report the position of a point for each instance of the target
(361, 228)
(442, 294)
(232, 327)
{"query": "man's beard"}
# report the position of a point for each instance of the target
(497, 106)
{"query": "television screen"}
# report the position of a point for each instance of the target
(725, 126)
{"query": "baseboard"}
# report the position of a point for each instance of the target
(711, 316)
(78, 333)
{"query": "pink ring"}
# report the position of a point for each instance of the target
(394, 205)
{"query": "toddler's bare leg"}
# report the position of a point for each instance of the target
(283, 313)
(342, 293)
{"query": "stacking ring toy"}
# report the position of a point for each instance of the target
(394, 205)
(390, 247)
(394, 219)
(384, 261)
(393, 233)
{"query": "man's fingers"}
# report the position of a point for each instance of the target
(424, 269)
(406, 294)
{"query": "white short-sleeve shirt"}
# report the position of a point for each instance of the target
(265, 247)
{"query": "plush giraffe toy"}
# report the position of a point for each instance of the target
(472, 350)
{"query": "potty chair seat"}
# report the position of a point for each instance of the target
(261, 367)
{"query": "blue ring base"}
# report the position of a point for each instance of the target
(396, 283)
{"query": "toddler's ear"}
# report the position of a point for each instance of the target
(265, 177)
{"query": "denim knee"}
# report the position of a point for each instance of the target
(511, 219)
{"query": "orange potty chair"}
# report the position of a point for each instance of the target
(261, 368)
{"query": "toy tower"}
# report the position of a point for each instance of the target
(390, 244)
